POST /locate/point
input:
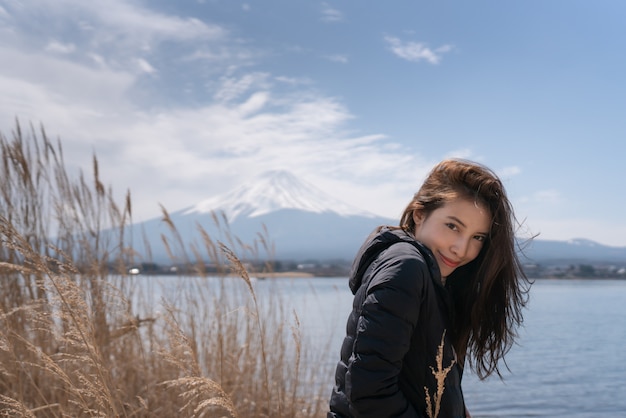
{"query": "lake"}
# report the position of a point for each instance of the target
(569, 360)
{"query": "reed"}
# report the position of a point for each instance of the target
(433, 403)
(81, 338)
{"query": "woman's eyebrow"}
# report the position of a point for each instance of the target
(457, 220)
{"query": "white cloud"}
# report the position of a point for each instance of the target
(116, 29)
(61, 48)
(544, 197)
(123, 17)
(547, 196)
(58, 83)
(231, 88)
(507, 172)
(342, 59)
(330, 14)
(98, 59)
(254, 104)
(416, 51)
(465, 153)
(294, 81)
(145, 66)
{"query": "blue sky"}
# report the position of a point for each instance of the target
(184, 100)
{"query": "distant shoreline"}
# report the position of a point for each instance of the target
(307, 275)
(272, 275)
(252, 275)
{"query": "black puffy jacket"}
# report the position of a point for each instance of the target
(401, 312)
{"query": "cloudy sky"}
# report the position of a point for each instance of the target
(183, 100)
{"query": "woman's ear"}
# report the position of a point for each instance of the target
(418, 216)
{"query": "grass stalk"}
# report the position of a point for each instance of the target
(433, 404)
(80, 337)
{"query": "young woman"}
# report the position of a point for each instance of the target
(447, 282)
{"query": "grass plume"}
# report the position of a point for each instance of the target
(433, 404)
(80, 337)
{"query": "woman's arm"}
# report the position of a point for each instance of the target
(383, 336)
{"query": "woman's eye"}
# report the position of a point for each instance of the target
(480, 238)
(451, 226)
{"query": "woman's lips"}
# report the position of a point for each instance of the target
(449, 262)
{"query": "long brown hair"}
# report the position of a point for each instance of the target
(491, 291)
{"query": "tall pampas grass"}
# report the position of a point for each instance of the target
(79, 337)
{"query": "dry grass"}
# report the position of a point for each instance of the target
(80, 338)
(433, 403)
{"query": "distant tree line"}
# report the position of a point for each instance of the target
(341, 268)
(586, 271)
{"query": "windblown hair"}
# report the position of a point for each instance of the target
(490, 291)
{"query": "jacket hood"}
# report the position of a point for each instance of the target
(380, 239)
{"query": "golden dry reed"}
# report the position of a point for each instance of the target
(433, 404)
(79, 337)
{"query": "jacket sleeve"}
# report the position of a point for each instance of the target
(384, 329)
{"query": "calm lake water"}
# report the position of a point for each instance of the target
(570, 360)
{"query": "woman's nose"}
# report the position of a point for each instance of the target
(459, 248)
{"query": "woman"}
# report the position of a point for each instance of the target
(446, 282)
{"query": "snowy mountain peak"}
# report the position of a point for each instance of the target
(272, 191)
(583, 242)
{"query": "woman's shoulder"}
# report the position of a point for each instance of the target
(408, 251)
(392, 257)
(398, 279)
(401, 265)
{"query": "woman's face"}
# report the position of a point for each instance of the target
(455, 232)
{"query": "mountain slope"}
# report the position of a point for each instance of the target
(302, 221)
(575, 251)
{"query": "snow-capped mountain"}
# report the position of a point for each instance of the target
(273, 191)
(574, 251)
(582, 242)
(299, 220)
